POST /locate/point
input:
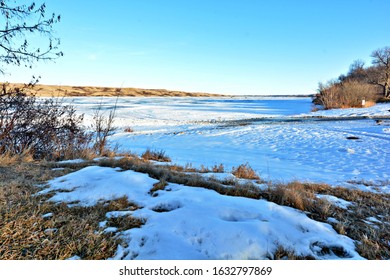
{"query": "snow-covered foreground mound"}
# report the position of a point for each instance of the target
(194, 223)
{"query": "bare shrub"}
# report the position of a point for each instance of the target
(328, 95)
(346, 94)
(354, 92)
(244, 171)
(103, 127)
(47, 128)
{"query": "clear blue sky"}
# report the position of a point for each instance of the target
(217, 46)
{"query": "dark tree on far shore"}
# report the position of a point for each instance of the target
(379, 73)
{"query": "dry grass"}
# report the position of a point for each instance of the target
(354, 222)
(244, 171)
(215, 169)
(10, 158)
(25, 233)
(287, 254)
(203, 169)
(123, 223)
(25, 236)
(155, 155)
(159, 186)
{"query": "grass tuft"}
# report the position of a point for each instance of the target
(244, 171)
(155, 155)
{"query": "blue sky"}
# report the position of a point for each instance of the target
(217, 46)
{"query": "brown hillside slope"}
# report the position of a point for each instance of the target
(53, 90)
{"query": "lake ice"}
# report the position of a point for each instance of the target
(266, 133)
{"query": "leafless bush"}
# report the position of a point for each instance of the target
(103, 127)
(346, 94)
(45, 127)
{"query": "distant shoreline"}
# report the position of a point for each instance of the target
(94, 91)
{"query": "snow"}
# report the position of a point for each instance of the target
(78, 160)
(199, 223)
(278, 137)
(373, 219)
(47, 215)
(109, 185)
(336, 201)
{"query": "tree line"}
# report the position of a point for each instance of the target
(360, 86)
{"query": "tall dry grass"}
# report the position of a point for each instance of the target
(26, 233)
(245, 171)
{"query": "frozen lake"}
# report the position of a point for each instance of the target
(267, 133)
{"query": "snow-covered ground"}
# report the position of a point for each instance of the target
(194, 223)
(277, 137)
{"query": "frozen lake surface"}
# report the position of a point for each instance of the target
(279, 137)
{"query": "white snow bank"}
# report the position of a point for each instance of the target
(94, 184)
(377, 110)
(194, 223)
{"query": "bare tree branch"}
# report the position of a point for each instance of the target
(379, 74)
(21, 22)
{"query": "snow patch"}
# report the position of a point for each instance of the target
(200, 223)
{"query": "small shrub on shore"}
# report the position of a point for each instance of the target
(128, 129)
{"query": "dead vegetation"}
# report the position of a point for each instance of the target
(48, 129)
(347, 94)
(155, 155)
(365, 219)
(244, 171)
(32, 228)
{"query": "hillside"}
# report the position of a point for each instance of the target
(55, 90)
